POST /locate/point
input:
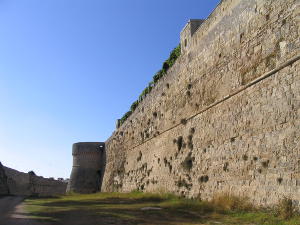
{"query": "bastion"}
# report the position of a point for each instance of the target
(87, 167)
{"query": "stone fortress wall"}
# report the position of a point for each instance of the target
(226, 117)
(18, 182)
(27, 184)
(3, 181)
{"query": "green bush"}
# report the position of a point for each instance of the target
(286, 208)
(228, 202)
(125, 117)
(134, 105)
(166, 66)
(158, 75)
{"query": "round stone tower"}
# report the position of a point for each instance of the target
(87, 168)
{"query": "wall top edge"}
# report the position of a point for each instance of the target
(89, 143)
(190, 21)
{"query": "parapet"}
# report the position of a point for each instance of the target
(87, 147)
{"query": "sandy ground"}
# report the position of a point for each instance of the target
(11, 212)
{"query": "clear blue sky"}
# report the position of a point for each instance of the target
(70, 68)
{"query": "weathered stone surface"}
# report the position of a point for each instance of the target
(216, 127)
(87, 167)
(27, 184)
(3, 181)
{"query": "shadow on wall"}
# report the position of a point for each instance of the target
(103, 168)
(3, 182)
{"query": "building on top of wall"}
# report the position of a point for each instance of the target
(186, 34)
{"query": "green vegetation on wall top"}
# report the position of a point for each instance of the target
(166, 66)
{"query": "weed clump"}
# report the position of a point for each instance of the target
(286, 208)
(228, 202)
(174, 55)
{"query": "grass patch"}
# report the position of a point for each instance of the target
(125, 208)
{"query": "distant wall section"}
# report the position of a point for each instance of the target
(3, 181)
(27, 184)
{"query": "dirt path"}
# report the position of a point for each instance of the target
(7, 204)
(11, 212)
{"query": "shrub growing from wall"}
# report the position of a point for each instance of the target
(174, 55)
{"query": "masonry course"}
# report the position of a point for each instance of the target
(226, 114)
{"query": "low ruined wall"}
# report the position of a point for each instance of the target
(18, 182)
(3, 181)
(225, 117)
(46, 187)
(26, 184)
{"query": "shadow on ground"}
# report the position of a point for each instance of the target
(121, 211)
(24, 221)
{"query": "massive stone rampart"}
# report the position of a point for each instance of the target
(226, 117)
(28, 184)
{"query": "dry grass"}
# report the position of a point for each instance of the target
(228, 202)
(286, 209)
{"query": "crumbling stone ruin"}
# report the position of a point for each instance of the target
(3, 182)
(18, 183)
(225, 117)
(87, 171)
